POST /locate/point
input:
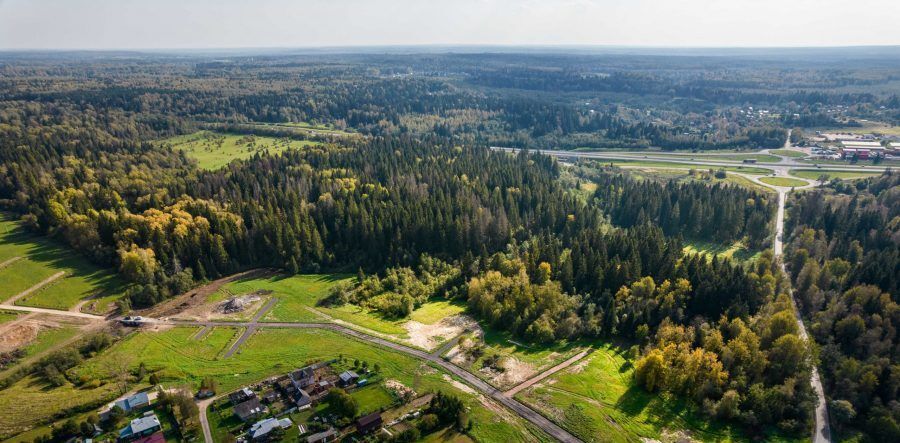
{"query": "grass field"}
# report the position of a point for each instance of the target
(48, 338)
(813, 174)
(299, 295)
(788, 153)
(783, 181)
(37, 258)
(179, 359)
(214, 150)
(28, 400)
(597, 401)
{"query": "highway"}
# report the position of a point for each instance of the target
(821, 432)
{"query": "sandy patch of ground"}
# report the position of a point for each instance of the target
(23, 331)
(400, 389)
(430, 337)
(19, 334)
(514, 372)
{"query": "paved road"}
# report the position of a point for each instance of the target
(782, 167)
(821, 433)
(525, 412)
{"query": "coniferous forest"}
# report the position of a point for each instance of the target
(404, 191)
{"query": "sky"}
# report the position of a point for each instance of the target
(205, 24)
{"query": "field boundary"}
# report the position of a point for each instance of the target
(35, 288)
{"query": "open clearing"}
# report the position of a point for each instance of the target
(214, 150)
(813, 174)
(39, 259)
(783, 181)
(595, 400)
(179, 358)
(737, 250)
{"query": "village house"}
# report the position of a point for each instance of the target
(140, 427)
(302, 399)
(303, 377)
(348, 378)
(241, 396)
(369, 423)
(129, 404)
(249, 409)
(261, 429)
(323, 437)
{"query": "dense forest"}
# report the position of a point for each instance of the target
(418, 205)
(844, 256)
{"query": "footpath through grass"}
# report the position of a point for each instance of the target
(214, 150)
(32, 259)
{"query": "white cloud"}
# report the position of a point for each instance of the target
(293, 23)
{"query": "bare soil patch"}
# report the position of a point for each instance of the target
(430, 337)
(192, 303)
(514, 372)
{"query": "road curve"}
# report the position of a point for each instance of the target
(523, 411)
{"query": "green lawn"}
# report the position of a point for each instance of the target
(179, 359)
(40, 258)
(783, 181)
(437, 310)
(372, 398)
(813, 174)
(214, 150)
(788, 153)
(597, 401)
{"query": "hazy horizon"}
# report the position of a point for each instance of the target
(311, 24)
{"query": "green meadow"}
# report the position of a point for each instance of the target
(30, 259)
(596, 400)
(214, 150)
